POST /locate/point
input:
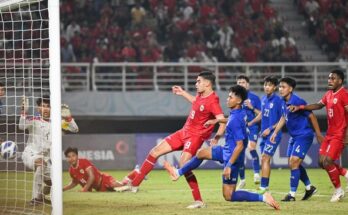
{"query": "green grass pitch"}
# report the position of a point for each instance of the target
(160, 196)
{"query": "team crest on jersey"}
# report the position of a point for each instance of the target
(81, 171)
(201, 108)
(335, 100)
(271, 105)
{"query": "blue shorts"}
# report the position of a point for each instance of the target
(269, 148)
(217, 154)
(299, 146)
(253, 133)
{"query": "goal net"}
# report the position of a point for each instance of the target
(25, 179)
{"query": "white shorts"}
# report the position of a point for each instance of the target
(29, 156)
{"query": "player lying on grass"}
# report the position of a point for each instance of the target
(83, 172)
(229, 154)
(269, 116)
(301, 139)
(205, 106)
(336, 102)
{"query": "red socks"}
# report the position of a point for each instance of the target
(146, 167)
(334, 175)
(342, 170)
(192, 181)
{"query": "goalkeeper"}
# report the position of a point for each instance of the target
(36, 155)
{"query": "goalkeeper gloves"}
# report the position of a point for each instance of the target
(66, 113)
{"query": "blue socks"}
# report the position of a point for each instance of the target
(192, 164)
(264, 182)
(303, 176)
(256, 162)
(245, 196)
(294, 179)
(242, 171)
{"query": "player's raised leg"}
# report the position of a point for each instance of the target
(146, 167)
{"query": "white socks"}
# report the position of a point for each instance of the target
(37, 183)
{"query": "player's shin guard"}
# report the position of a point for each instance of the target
(242, 171)
(37, 183)
(334, 175)
(191, 165)
(245, 196)
(256, 162)
(294, 180)
(146, 167)
(303, 176)
(192, 181)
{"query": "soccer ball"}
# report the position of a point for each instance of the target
(8, 149)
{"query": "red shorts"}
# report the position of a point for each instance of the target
(107, 183)
(184, 141)
(331, 147)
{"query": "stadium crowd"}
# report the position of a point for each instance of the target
(327, 24)
(174, 31)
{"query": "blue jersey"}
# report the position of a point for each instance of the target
(271, 110)
(256, 103)
(297, 122)
(235, 131)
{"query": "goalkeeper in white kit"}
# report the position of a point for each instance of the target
(36, 155)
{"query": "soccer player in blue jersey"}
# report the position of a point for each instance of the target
(252, 107)
(229, 154)
(301, 139)
(270, 114)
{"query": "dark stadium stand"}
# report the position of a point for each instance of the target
(174, 31)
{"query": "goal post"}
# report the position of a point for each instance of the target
(55, 88)
(30, 67)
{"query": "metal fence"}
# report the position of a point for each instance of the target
(310, 76)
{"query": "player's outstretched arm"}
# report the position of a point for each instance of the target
(24, 122)
(315, 124)
(68, 122)
(70, 186)
(277, 128)
(235, 154)
(90, 180)
(177, 90)
(316, 106)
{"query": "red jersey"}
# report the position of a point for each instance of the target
(79, 174)
(202, 110)
(337, 118)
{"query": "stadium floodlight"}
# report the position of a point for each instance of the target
(30, 67)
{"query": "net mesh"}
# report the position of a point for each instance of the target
(24, 71)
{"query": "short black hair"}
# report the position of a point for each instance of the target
(239, 91)
(290, 81)
(271, 79)
(243, 77)
(44, 99)
(208, 76)
(71, 149)
(2, 84)
(339, 73)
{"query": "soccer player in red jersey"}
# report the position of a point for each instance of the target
(336, 102)
(205, 106)
(83, 172)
